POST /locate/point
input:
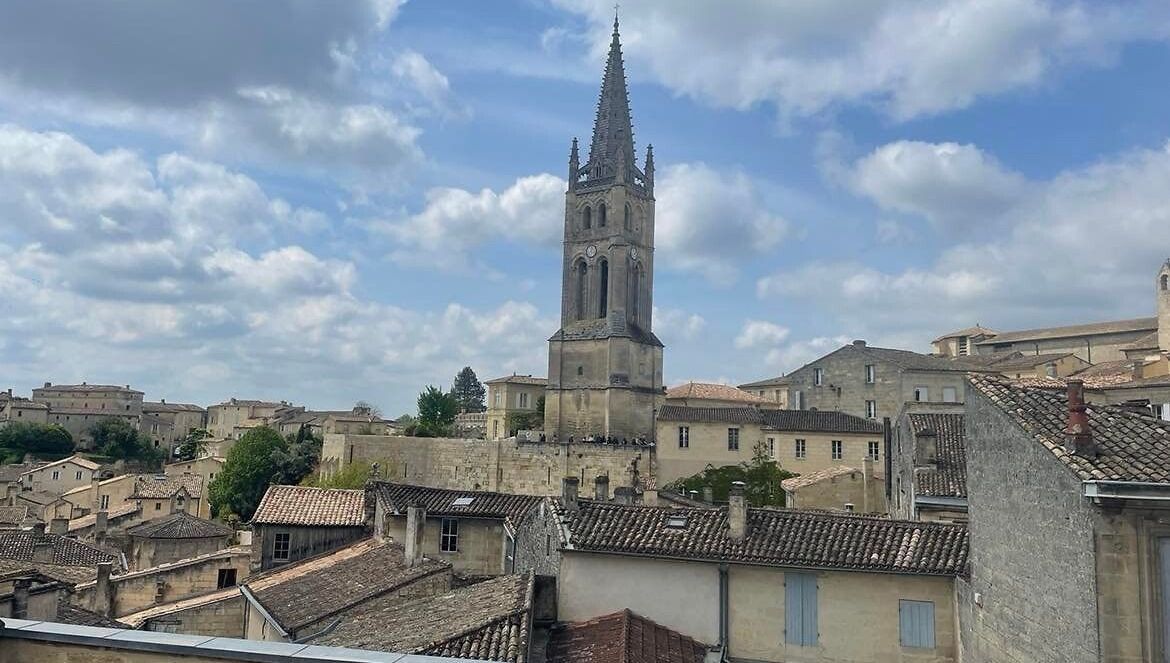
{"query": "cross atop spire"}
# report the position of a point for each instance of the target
(613, 132)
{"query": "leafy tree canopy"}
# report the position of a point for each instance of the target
(762, 477)
(355, 475)
(251, 466)
(300, 456)
(436, 413)
(194, 445)
(41, 440)
(518, 421)
(115, 438)
(369, 408)
(468, 391)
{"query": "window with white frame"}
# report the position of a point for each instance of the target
(921, 394)
(874, 450)
(684, 437)
(871, 409)
(733, 439)
(497, 398)
(798, 400)
(916, 623)
(950, 395)
(449, 538)
(836, 448)
(280, 545)
(523, 399)
(801, 450)
(870, 374)
(818, 376)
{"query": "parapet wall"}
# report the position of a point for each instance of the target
(509, 466)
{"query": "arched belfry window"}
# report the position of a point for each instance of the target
(587, 218)
(1166, 281)
(629, 221)
(582, 279)
(634, 289)
(601, 215)
(602, 288)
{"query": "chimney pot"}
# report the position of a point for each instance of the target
(601, 488)
(103, 602)
(569, 486)
(38, 528)
(48, 384)
(20, 589)
(736, 511)
(1078, 435)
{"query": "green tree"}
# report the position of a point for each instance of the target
(468, 391)
(299, 458)
(41, 440)
(762, 477)
(193, 445)
(518, 421)
(115, 438)
(251, 466)
(368, 408)
(436, 413)
(355, 475)
(540, 408)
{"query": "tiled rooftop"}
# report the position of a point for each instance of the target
(467, 503)
(1132, 446)
(519, 379)
(727, 415)
(163, 486)
(798, 482)
(622, 637)
(487, 620)
(11, 516)
(1110, 327)
(89, 520)
(19, 545)
(88, 388)
(775, 537)
(950, 477)
(178, 525)
(711, 392)
(303, 505)
(780, 381)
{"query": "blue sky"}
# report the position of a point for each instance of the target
(329, 202)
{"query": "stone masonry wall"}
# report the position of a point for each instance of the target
(1032, 549)
(537, 542)
(507, 466)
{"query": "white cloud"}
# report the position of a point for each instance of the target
(795, 354)
(911, 58)
(760, 333)
(710, 222)
(423, 76)
(675, 324)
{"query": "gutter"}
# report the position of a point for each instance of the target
(1141, 491)
(251, 598)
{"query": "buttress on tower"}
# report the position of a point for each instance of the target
(605, 363)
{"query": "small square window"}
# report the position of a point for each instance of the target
(77, 475)
(56, 475)
(921, 394)
(227, 578)
(950, 395)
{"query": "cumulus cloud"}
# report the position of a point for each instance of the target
(710, 221)
(760, 333)
(169, 274)
(675, 324)
(910, 58)
(1076, 247)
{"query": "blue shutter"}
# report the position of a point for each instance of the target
(800, 609)
(916, 623)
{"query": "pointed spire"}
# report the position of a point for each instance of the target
(574, 165)
(649, 178)
(613, 133)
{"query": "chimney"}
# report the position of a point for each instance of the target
(859, 343)
(102, 592)
(569, 487)
(708, 494)
(867, 475)
(99, 523)
(601, 488)
(416, 520)
(20, 598)
(625, 495)
(38, 528)
(48, 384)
(59, 526)
(926, 448)
(1078, 436)
(163, 401)
(43, 550)
(736, 512)
(95, 491)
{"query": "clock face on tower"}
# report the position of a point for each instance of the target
(591, 251)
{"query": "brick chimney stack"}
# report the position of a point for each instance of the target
(601, 488)
(416, 519)
(569, 488)
(1078, 435)
(736, 511)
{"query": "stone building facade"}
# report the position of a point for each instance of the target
(605, 363)
(295, 522)
(512, 394)
(929, 463)
(78, 407)
(504, 466)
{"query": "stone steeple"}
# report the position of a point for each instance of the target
(612, 149)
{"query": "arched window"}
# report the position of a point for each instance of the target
(601, 215)
(629, 221)
(582, 277)
(1166, 281)
(602, 288)
(587, 218)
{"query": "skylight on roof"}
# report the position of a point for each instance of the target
(463, 501)
(676, 520)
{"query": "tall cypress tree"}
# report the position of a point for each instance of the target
(468, 391)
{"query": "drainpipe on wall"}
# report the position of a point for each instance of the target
(724, 602)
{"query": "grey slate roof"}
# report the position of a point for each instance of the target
(1110, 327)
(19, 545)
(775, 537)
(781, 381)
(441, 501)
(950, 477)
(1133, 447)
(178, 525)
(622, 637)
(915, 361)
(487, 620)
(729, 415)
(518, 379)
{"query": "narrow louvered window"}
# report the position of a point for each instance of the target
(800, 609)
(684, 437)
(916, 623)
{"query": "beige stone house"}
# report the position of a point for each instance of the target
(106, 494)
(22, 410)
(773, 390)
(510, 395)
(59, 477)
(706, 394)
(173, 538)
(475, 531)
(207, 467)
(769, 584)
(79, 407)
(229, 419)
(691, 438)
(295, 522)
(929, 463)
(838, 488)
(1093, 342)
(1049, 478)
(160, 495)
(168, 424)
(1050, 365)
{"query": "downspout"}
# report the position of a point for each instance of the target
(724, 602)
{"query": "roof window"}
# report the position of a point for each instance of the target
(463, 501)
(676, 520)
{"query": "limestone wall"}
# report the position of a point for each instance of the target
(507, 466)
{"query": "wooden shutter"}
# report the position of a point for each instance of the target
(800, 609)
(916, 623)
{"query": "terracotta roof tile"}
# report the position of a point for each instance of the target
(775, 537)
(798, 482)
(303, 505)
(950, 477)
(622, 637)
(519, 379)
(712, 392)
(162, 486)
(444, 502)
(19, 545)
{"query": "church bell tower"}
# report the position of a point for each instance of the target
(605, 363)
